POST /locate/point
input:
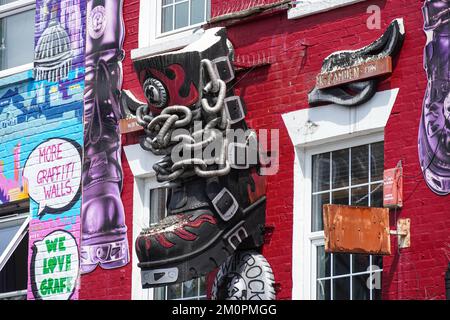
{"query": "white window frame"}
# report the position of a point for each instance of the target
(313, 130)
(151, 41)
(10, 9)
(15, 241)
(317, 238)
(141, 219)
(304, 8)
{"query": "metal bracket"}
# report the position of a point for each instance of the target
(403, 233)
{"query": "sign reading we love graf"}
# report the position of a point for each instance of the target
(54, 266)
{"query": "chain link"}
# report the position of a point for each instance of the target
(160, 138)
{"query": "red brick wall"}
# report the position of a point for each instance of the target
(283, 87)
(116, 284)
(296, 49)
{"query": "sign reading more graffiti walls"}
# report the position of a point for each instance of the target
(52, 171)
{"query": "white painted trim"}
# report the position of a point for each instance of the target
(336, 128)
(166, 46)
(13, 294)
(15, 241)
(15, 7)
(141, 164)
(313, 126)
(309, 7)
(15, 70)
(151, 42)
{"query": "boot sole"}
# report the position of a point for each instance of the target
(246, 234)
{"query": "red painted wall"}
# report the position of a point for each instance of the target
(296, 49)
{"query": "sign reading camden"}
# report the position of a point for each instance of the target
(366, 70)
(54, 266)
(53, 171)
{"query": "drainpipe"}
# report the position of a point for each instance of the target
(447, 282)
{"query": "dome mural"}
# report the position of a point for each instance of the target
(53, 54)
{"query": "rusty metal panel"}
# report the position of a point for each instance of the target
(129, 125)
(356, 229)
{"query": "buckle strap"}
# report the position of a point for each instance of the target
(225, 204)
(104, 253)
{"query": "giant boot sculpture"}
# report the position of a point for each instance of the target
(434, 131)
(104, 239)
(216, 204)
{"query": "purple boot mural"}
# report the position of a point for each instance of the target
(434, 131)
(104, 233)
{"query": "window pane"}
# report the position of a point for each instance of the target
(321, 172)
(340, 197)
(208, 9)
(376, 196)
(167, 19)
(166, 2)
(202, 285)
(197, 11)
(377, 261)
(340, 168)
(7, 232)
(157, 205)
(317, 217)
(360, 165)
(377, 161)
(14, 275)
(360, 289)
(341, 264)
(14, 53)
(174, 291)
(323, 290)
(323, 263)
(190, 288)
(181, 15)
(361, 263)
(341, 288)
(360, 196)
(159, 293)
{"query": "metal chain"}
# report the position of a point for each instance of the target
(160, 138)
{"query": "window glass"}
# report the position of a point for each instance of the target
(14, 275)
(16, 39)
(356, 176)
(179, 14)
(7, 232)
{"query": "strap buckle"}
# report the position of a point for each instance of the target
(224, 68)
(225, 204)
(234, 109)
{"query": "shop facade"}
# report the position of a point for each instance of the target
(330, 146)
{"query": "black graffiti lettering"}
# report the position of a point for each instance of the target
(257, 282)
(253, 272)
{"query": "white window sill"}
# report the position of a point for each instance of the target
(12, 71)
(165, 46)
(16, 7)
(309, 7)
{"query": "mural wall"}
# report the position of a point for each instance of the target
(104, 239)
(50, 145)
(434, 131)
